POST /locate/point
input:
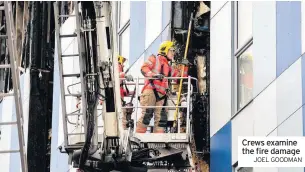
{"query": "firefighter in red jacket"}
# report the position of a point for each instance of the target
(154, 90)
(124, 92)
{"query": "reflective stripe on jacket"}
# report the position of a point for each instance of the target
(159, 65)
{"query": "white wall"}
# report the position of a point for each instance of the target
(289, 91)
(293, 126)
(264, 44)
(216, 6)
(220, 106)
(6, 131)
(242, 125)
(264, 109)
(257, 119)
(289, 99)
(9, 136)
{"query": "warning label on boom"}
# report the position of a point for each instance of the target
(271, 151)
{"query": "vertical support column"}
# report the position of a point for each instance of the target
(136, 116)
(188, 105)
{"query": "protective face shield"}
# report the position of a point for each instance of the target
(171, 53)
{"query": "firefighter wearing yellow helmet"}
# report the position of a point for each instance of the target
(154, 90)
(124, 92)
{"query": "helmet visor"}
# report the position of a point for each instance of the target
(172, 50)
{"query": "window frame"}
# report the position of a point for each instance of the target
(236, 53)
(248, 40)
(121, 29)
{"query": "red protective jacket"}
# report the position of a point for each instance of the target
(122, 75)
(159, 65)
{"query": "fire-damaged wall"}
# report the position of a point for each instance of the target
(41, 45)
(34, 24)
(198, 54)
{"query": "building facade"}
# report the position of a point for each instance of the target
(257, 76)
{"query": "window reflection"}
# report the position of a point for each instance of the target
(245, 77)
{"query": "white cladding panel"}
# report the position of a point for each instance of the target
(220, 77)
(264, 44)
(289, 91)
(216, 6)
(242, 125)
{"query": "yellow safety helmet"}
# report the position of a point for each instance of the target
(165, 46)
(121, 59)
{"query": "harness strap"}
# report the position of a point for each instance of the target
(165, 101)
(158, 98)
(123, 102)
(126, 88)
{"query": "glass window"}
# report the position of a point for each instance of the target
(124, 13)
(245, 77)
(153, 21)
(243, 52)
(244, 22)
(124, 45)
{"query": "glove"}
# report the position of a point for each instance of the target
(129, 78)
(158, 76)
(185, 62)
